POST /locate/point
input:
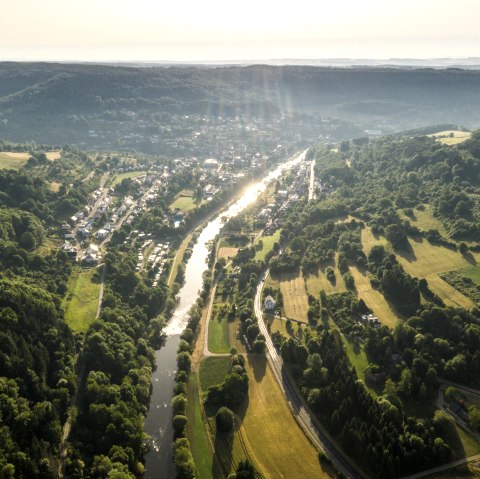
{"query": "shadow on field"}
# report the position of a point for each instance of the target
(470, 258)
(258, 363)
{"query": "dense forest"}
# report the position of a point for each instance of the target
(89, 104)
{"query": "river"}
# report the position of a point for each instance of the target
(158, 423)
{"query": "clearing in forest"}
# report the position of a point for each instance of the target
(13, 160)
(424, 220)
(451, 137)
(81, 300)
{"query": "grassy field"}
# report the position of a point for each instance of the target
(369, 240)
(424, 220)
(317, 282)
(357, 356)
(450, 295)
(184, 203)
(213, 370)
(197, 434)
(374, 299)
(81, 300)
(268, 242)
(53, 155)
(295, 301)
(268, 432)
(472, 272)
(13, 160)
(121, 176)
(425, 258)
(226, 252)
(219, 334)
(451, 137)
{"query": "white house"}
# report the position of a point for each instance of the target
(269, 303)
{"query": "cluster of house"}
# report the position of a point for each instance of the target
(109, 226)
(370, 319)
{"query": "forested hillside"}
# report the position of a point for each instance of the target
(84, 103)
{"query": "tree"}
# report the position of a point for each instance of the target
(224, 419)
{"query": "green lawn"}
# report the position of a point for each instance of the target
(472, 272)
(357, 356)
(81, 300)
(218, 336)
(267, 245)
(184, 203)
(121, 176)
(213, 371)
(197, 434)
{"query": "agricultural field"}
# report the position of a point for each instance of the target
(13, 160)
(268, 433)
(213, 370)
(268, 242)
(451, 137)
(374, 299)
(295, 300)
(81, 300)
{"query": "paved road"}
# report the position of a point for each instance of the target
(311, 189)
(312, 428)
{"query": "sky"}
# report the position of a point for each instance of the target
(215, 30)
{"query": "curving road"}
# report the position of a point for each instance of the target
(310, 425)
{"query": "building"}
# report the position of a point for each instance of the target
(211, 164)
(269, 303)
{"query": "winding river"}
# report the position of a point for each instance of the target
(158, 423)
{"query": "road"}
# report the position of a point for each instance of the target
(311, 188)
(310, 425)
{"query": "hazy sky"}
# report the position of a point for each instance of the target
(247, 29)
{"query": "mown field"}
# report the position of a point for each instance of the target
(295, 300)
(226, 252)
(268, 432)
(317, 282)
(197, 434)
(81, 300)
(426, 260)
(12, 160)
(451, 137)
(450, 295)
(374, 299)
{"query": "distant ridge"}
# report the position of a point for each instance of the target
(470, 63)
